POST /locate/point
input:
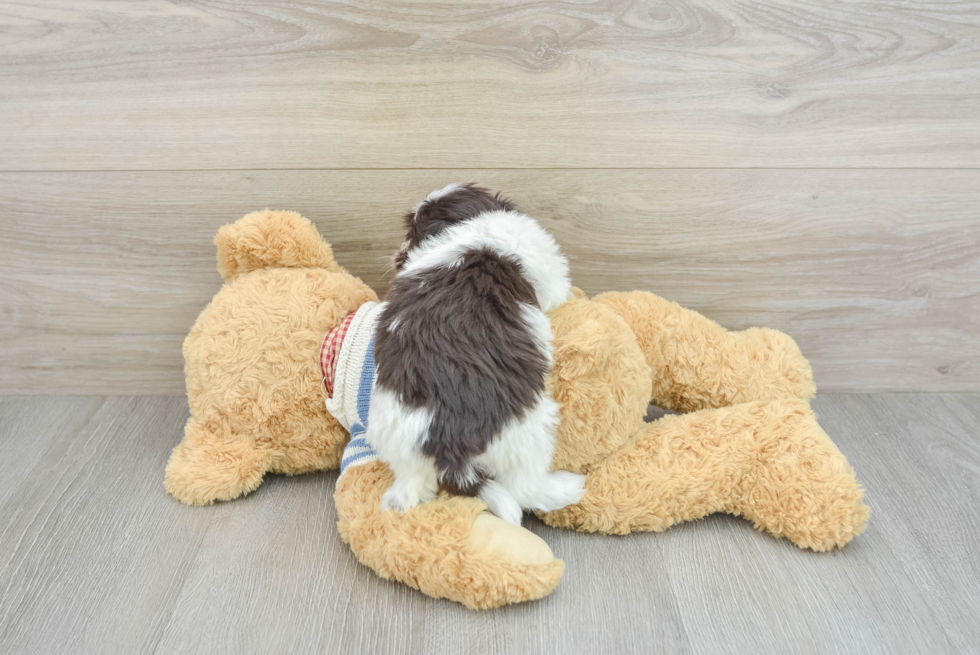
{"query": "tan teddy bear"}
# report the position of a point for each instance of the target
(748, 443)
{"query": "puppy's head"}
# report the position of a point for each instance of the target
(442, 209)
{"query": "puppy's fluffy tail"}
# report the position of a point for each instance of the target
(271, 239)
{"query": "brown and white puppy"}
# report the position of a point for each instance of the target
(462, 349)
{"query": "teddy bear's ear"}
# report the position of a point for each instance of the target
(271, 239)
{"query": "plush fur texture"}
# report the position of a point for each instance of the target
(431, 547)
(767, 461)
(749, 445)
(253, 382)
(697, 364)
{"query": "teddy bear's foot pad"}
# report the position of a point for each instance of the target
(508, 543)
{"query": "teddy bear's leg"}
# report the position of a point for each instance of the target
(206, 467)
(447, 548)
(767, 461)
(697, 364)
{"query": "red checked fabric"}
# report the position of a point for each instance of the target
(330, 350)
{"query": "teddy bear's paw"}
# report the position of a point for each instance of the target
(205, 468)
(800, 486)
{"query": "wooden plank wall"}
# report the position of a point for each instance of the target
(808, 166)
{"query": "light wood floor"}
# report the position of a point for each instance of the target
(95, 558)
(807, 165)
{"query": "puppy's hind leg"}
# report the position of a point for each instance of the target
(396, 433)
(520, 460)
(500, 502)
(415, 482)
(535, 487)
(467, 480)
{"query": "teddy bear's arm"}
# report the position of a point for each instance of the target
(697, 364)
(447, 548)
(206, 467)
(767, 461)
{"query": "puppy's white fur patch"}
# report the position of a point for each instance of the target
(439, 193)
(500, 502)
(510, 234)
(396, 433)
(519, 460)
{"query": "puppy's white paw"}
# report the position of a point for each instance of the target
(562, 489)
(402, 498)
(392, 500)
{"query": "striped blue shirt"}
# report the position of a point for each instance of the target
(358, 451)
